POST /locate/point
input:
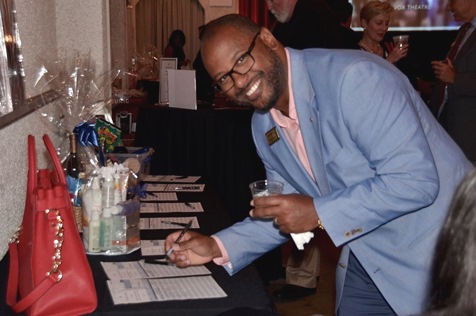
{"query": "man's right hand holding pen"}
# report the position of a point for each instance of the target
(193, 249)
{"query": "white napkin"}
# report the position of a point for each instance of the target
(301, 239)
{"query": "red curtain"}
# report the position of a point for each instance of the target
(256, 11)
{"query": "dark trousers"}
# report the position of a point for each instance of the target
(360, 295)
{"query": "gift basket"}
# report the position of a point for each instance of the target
(104, 192)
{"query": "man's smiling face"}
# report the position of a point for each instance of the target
(263, 84)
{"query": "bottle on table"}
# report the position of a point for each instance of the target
(94, 233)
(106, 230)
(74, 178)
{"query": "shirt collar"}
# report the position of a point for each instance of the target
(281, 119)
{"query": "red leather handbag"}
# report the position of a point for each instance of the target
(48, 265)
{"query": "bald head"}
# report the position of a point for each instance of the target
(245, 61)
(238, 22)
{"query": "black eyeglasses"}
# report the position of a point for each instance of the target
(241, 67)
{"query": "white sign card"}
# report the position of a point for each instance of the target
(182, 89)
(166, 64)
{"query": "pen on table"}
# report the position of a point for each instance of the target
(180, 177)
(184, 230)
(189, 205)
(174, 223)
(161, 262)
(188, 188)
(157, 259)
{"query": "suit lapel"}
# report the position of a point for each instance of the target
(307, 109)
(308, 113)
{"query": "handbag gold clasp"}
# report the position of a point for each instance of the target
(59, 274)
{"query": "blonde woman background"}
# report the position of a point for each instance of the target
(375, 19)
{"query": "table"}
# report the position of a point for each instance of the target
(245, 289)
(213, 142)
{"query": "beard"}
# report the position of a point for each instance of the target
(273, 76)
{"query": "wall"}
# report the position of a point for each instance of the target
(119, 34)
(213, 12)
(45, 26)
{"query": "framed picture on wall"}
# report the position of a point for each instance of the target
(12, 98)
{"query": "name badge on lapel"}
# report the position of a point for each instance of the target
(272, 136)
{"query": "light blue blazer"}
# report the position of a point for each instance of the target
(385, 171)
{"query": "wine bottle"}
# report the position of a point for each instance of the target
(72, 166)
(74, 178)
(73, 171)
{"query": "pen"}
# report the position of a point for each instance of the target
(184, 230)
(190, 205)
(187, 188)
(174, 223)
(161, 262)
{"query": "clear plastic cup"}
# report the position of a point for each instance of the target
(400, 40)
(266, 187)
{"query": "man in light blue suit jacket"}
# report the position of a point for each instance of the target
(381, 171)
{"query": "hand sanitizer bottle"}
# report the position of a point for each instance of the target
(107, 190)
(94, 232)
(106, 230)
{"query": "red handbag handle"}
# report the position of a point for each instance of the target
(54, 157)
(32, 166)
(13, 275)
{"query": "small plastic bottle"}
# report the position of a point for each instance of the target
(106, 230)
(119, 230)
(91, 205)
(117, 189)
(94, 233)
(96, 195)
(123, 182)
(107, 191)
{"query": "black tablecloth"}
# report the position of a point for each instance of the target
(245, 289)
(214, 143)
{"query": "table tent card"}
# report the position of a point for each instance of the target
(182, 89)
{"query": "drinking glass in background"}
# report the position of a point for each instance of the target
(400, 40)
(266, 187)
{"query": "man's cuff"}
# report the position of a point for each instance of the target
(224, 260)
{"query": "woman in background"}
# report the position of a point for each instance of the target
(375, 19)
(453, 279)
(174, 48)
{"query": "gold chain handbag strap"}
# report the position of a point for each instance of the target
(57, 242)
(15, 239)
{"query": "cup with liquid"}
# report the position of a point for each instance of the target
(400, 40)
(266, 188)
